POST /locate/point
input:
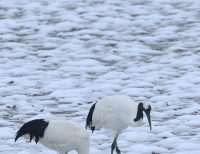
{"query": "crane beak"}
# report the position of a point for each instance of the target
(147, 111)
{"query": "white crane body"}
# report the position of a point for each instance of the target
(116, 113)
(60, 135)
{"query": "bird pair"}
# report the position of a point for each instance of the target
(114, 113)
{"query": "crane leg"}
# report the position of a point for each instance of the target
(114, 145)
(117, 149)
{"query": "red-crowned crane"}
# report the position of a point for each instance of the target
(116, 113)
(58, 134)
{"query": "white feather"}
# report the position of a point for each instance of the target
(115, 113)
(64, 135)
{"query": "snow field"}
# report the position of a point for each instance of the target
(59, 57)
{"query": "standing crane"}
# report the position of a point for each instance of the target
(116, 113)
(58, 134)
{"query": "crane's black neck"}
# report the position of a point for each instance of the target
(139, 112)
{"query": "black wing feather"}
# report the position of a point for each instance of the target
(34, 128)
(89, 118)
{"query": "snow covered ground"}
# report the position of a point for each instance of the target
(58, 57)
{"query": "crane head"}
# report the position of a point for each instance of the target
(147, 110)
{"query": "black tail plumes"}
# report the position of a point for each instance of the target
(89, 118)
(34, 128)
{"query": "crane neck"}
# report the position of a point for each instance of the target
(139, 117)
(139, 112)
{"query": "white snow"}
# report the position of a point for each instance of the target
(59, 57)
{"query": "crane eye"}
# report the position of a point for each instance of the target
(149, 107)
